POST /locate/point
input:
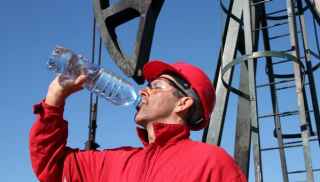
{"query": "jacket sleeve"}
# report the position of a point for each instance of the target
(53, 161)
(47, 142)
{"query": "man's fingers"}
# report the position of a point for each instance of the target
(78, 83)
(80, 80)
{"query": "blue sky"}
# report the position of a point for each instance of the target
(186, 30)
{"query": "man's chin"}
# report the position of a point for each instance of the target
(139, 121)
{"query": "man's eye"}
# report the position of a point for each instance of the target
(151, 86)
(155, 86)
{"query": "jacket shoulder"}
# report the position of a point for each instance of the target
(210, 148)
(218, 160)
(211, 153)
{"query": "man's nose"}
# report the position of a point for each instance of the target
(145, 91)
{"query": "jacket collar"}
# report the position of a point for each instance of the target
(164, 133)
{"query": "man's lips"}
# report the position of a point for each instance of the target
(143, 102)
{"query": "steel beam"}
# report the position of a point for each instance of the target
(243, 122)
(255, 136)
(215, 128)
(243, 125)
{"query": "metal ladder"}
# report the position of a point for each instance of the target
(255, 17)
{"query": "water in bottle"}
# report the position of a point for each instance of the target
(101, 82)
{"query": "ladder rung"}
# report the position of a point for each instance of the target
(274, 83)
(271, 26)
(276, 12)
(302, 171)
(295, 142)
(288, 145)
(286, 87)
(260, 2)
(279, 36)
(289, 135)
(276, 148)
(285, 61)
(292, 135)
(288, 50)
(283, 114)
(290, 86)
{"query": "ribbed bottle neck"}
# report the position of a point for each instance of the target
(137, 101)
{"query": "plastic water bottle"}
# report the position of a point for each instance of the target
(101, 82)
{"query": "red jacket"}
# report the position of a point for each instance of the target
(172, 157)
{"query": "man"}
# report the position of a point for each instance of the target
(179, 97)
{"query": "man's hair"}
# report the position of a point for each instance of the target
(194, 113)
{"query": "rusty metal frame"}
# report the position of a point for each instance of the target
(110, 17)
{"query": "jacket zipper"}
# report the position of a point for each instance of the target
(152, 163)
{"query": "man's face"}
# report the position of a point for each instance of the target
(158, 101)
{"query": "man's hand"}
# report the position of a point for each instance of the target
(57, 92)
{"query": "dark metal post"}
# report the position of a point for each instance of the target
(298, 82)
(91, 144)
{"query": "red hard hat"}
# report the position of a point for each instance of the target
(198, 80)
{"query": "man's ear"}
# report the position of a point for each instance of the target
(183, 104)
